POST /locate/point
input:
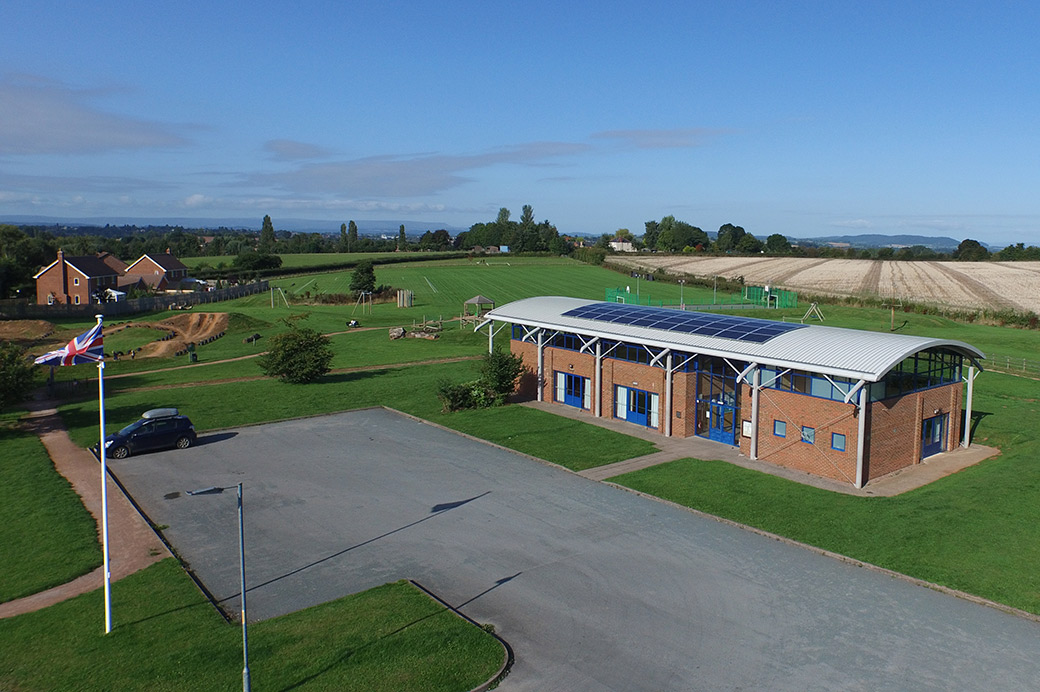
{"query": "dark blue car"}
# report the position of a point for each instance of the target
(159, 428)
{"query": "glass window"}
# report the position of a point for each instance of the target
(809, 435)
(780, 428)
(838, 442)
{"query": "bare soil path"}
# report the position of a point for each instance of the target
(132, 543)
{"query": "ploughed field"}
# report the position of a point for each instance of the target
(988, 285)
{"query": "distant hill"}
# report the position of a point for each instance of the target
(873, 240)
(365, 226)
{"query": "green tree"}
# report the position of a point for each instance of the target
(749, 244)
(299, 355)
(500, 371)
(17, 374)
(650, 236)
(255, 261)
(267, 239)
(676, 235)
(351, 235)
(363, 280)
(970, 251)
(402, 240)
(527, 216)
(728, 238)
(777, 244)
(344, 244)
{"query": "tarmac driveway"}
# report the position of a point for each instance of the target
(596, 588)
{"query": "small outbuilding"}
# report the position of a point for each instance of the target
(476, 307)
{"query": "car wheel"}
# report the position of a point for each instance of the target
(183, 442)
(120, 452)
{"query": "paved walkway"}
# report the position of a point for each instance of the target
(132, 543)
(672, 448)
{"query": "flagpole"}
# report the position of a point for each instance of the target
(104, 490)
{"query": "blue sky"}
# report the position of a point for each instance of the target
(800, 118)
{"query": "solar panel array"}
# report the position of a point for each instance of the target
(702, 324)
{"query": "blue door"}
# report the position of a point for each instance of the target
(573, 390)
(933, 435)
(722, 426)
(637, 406)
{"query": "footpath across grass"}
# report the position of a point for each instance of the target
(167, 637)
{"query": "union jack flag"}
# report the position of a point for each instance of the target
(85, 348)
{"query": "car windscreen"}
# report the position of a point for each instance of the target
(132, 427)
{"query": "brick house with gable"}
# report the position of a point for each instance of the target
(74, 280)
(159, 272)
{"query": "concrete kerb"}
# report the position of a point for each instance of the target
(507, 664)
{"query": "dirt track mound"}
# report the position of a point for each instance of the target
(195, 327)
(25, 332)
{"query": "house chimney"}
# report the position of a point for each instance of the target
(168, 251)
(63, 268)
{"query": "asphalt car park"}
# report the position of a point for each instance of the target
(595, 587)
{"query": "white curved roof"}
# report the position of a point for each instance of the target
(834, 351)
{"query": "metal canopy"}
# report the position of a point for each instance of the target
(834, 351)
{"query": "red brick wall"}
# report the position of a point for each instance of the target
(797, 410)
(893, 426)
(51, 281)
(894, 432)
(615, 372)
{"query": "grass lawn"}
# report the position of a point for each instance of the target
(409, 388)
(974, 531)
(167, 636)
(48, 537)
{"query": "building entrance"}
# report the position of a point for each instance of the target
(637, 406)
(933, 435)
(718, 402)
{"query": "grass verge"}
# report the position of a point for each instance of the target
(48, 537)
(388, 639)
(974, 531)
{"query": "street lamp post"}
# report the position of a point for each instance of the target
(682, 303)
(242, 572)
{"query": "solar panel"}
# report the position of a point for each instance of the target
(748, 329)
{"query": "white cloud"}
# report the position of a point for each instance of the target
(407, 175)
(40, 116)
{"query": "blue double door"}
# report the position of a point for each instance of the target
(933, 434)
(573, 390)
(637, 406)
(718, 405)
